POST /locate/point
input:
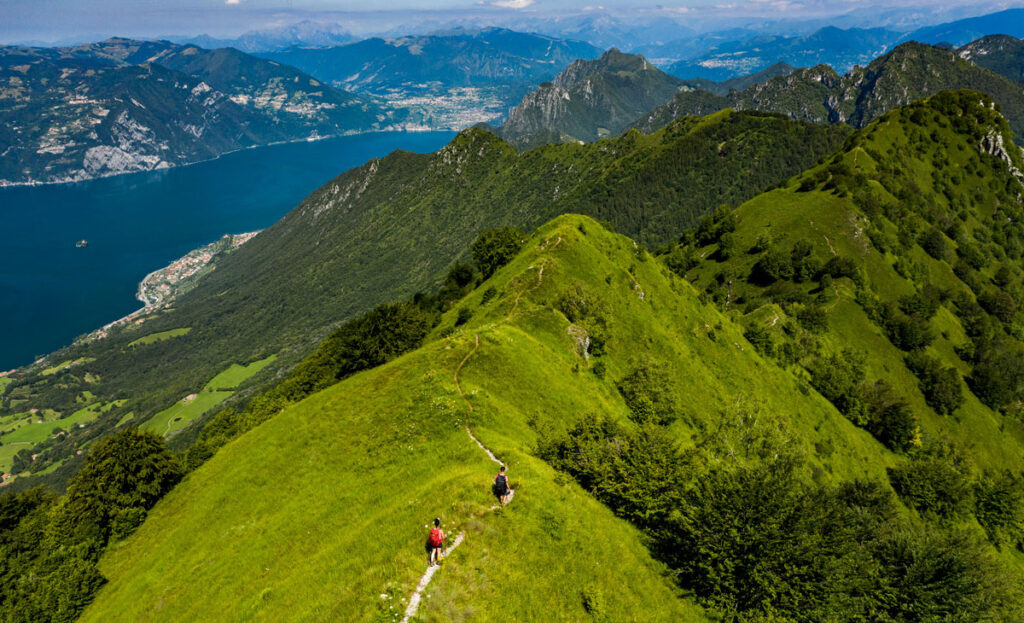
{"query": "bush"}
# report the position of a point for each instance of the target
(999, 507)
(680, 260)
(463, 316)
(889, 417)
(761, 339)
(773, 266)
(496, 247)
(933, 486)
(940, 386)
(575, 303)
(130, 469)
(813, 318)
(997, 378)
(999, 304)
(838, 379)
(646, 390)
(715, 225)
(908, 332)
(838, 266)
(934, 244)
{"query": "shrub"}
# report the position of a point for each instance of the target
(463, 316)
(889, 418)
(934, 243)
(907, 332)
(813, 318)
(646, 390)
(999, 304)
(713, 226)
(131, 469)
(940, 386)
(933, 486)
(575, 303)
(997, 378)
(999, 507)
(680, 260)
(838, 379)
(761, 339)
(838, 266)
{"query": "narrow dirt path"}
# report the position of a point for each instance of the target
(417, 596)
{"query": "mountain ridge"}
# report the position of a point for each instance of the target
(113, 107)
(819, 94)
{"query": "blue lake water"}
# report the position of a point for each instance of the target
(51, 292)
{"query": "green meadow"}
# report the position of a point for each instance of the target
(216, 391)
(159, 337)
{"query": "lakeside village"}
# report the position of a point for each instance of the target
(159, 288)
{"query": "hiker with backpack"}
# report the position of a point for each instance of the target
(501, 488)
(434, 543)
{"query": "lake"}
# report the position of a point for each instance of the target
(52, 292)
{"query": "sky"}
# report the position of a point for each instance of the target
(68, 21)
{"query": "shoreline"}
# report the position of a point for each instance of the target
(4, 185)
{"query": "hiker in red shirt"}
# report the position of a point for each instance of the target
(435, 542)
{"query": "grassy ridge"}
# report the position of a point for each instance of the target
(334, 492)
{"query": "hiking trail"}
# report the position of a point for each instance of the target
(417, 597)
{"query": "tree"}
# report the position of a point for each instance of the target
(496, 247)
(771, 267)
(934, 244)
(130, 469)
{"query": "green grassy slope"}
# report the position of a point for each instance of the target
(318, 512)
(916, 171)
(396, 225)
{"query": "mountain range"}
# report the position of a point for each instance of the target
(838, 48)
(487, 57)
(121, 106)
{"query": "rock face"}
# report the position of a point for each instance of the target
(589, 100)
(1002, 54)
(120, 106)
(819, 94)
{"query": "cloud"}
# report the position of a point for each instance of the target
(232, 1)
(511, 4)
